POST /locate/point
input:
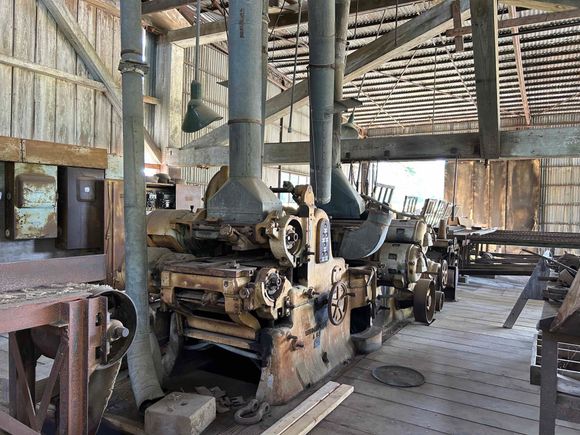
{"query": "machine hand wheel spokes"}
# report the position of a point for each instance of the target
(424, 300)
(338, 303)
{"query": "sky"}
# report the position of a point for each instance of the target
(424, 179)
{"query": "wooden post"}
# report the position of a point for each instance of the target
(485, 56)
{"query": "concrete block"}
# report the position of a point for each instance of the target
(180, 414)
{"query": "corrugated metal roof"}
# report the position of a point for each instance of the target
(433, 84)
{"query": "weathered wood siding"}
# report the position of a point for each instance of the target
(48, 107)
(503, 194)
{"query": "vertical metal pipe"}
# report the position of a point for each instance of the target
(321, 16)
(265, 24)
(245, 66)
(342, 14)
(144, 381)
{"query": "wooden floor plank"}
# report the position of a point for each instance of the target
(453, 357)
(466, 338)
(481, 372)
(413, 397)
(514, 355)
(471, 398)
(414, 415)
(360, 421)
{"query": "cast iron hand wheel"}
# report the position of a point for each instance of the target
(338, 303)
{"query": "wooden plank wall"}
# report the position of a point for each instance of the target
(43, 107)
(503, 194)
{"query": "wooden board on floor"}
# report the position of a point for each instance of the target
(302, 419)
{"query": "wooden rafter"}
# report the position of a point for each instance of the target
(520, 67)
(486, 65)
(521, 21)
(70, 28)
(544, 5)
(153, 6)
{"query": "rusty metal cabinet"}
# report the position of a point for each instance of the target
(31, 201)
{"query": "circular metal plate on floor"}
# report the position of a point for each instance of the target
(398, 376)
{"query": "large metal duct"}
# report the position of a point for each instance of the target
(345, 202)
(144, 380)
(321, 27)
(244, 198)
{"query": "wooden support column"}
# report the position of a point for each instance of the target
(169, 89)
(74, 34)
(485, 55)
(519, 66)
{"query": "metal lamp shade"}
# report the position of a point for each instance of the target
(348, 130)
(198, 114)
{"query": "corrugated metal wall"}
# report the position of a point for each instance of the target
(560, 210)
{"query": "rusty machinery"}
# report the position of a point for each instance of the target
(272, 288)
(86, 330)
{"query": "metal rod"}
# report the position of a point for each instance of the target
(295, 65)
(454, 189)
(551, 260)
(144, 381)
(197, 36)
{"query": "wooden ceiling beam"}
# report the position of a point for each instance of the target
(544, 5)
(521, 21)
(486, 66)
(515, 144)
(520, 67)
(152, 6)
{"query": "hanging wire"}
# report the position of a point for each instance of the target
(396, 21)
(197, 36)
(362, 83)
(295, 66)
(434, 87)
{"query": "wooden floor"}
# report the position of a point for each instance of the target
(477, 373)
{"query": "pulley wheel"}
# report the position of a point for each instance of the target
(443, 277)
(424, 300)
(439, 300)
(398, 376)
(338, 303)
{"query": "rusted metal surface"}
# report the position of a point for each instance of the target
(26, 274)
(31, 192)
(63, 318)
(51, 153)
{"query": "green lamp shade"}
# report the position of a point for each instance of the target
(198, 114)
(348, 130)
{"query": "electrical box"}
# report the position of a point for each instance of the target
(31, 201)
(81, 203)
